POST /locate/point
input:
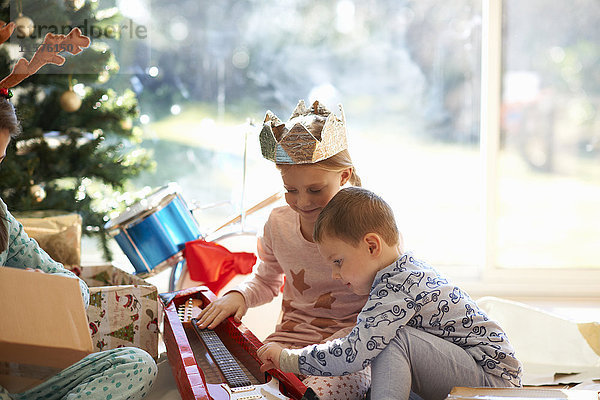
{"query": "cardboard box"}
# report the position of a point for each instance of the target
(57, 232)
(43, 327)
(123, 309)
(466, 393)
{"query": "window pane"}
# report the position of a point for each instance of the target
(407, 73)
(549, 170)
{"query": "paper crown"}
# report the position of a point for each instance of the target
(309, 136)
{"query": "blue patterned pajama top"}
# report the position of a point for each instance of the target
(412, 293)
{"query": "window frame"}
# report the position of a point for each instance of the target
(576, 283)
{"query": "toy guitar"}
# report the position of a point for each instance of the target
(237, 385)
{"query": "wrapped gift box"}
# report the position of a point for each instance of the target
(57, 232)
(123, 309)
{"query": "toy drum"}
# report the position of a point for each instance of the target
(152, 232)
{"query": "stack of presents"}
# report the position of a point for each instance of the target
(123, 309)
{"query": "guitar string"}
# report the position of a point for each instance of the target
(231, 370)
(226, 363)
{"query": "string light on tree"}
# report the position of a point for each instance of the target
(153, 71)
(104, 76)
(74, 5)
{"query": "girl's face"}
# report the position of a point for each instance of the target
(4, 139)
(309, 188)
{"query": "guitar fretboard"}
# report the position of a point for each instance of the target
(234, 375)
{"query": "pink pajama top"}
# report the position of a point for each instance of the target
(315, 306)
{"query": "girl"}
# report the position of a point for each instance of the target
(124, 373)
(311, 153)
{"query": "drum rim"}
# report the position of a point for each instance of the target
(120, 222)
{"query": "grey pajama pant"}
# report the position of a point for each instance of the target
(426, 364)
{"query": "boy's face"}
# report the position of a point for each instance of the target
(354, 265)
(309, 189)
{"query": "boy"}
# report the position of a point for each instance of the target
(418, 331)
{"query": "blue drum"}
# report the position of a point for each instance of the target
(152, 232)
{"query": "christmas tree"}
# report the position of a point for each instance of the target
(78, 146)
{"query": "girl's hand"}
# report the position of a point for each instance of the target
(269, 355)
(232, 303)
(35, 270)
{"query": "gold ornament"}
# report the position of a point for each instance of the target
(70, 101)
(104, 76)
(38, 192)
(24, 26)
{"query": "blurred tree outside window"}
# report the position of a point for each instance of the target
(549, 165)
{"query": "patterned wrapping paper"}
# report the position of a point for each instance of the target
(123, 309)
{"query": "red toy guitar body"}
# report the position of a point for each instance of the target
(237, 385)
(186, 347)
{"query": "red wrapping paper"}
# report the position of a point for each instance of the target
(214, 265)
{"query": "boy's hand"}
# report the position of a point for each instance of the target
(269, 355)
(232, 303)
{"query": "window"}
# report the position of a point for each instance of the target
(509, 211)
(541, 150)
(407, 74)
(549, 165)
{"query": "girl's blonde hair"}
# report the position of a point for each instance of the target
(335, 163)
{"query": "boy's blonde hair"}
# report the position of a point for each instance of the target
(352, 213)
(335, 163)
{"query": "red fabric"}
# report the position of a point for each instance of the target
(214, 265)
